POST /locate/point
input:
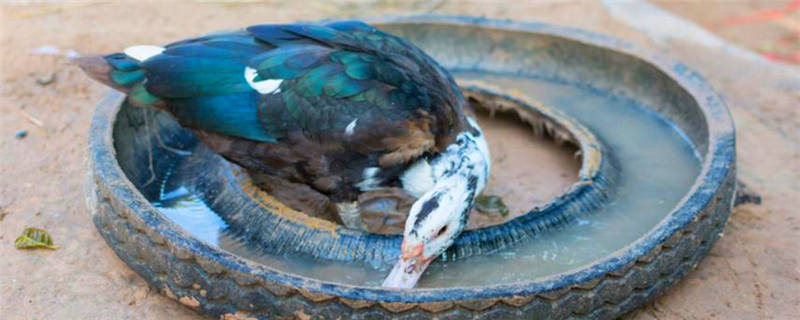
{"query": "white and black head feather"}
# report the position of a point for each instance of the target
(447, 185)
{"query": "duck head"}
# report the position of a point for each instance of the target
(446, 186)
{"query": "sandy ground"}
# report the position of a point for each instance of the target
(753, 272)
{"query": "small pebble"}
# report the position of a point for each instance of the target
(21, 134)
(46, 79)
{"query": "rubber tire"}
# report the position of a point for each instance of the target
(223, 285)
(180, 273)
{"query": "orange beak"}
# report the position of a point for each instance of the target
(409, 267)
(414, 252)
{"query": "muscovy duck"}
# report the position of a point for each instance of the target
(320, 114)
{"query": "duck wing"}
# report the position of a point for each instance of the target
(344, 84)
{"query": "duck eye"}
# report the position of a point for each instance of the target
(441, 231)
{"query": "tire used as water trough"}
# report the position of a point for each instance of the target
(271, 228)
(224, 285)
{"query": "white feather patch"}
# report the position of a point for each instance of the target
(143, 52)
(369, 181)
(451, 198)
(370, 172)
(423, 175)
(449, 180)
(263, 86)
(348, 131)
(418, 178)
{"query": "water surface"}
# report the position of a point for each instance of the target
(657, 168)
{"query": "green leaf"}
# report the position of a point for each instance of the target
(33, 238)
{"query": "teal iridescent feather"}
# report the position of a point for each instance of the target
(126, 79)
(121, 62)
(232, 114)
(345, 67)
(139, 96)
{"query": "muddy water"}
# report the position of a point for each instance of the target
(657, 167)
(527, 169)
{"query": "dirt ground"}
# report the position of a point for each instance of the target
(753, 272)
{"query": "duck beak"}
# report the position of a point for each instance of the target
(408, 269)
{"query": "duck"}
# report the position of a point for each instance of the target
(319, 115)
